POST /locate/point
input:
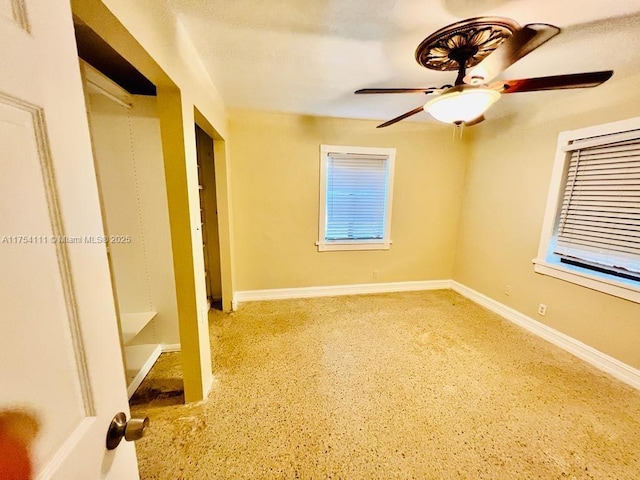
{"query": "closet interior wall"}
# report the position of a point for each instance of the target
(128, 155)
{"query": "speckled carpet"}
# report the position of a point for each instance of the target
(419, 385)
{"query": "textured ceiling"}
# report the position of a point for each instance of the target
(309, 56)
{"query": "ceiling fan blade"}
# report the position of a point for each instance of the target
(396, 90)
(556, 82)
(522, 42)
(475, 121)
(401, 117)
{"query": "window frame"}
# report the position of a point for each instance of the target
(356, 244)
(548, 263)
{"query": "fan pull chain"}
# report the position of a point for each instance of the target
(458, 127)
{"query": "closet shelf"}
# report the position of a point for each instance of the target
(133, 323)
(139, 359)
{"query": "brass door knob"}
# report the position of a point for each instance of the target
(120, 428)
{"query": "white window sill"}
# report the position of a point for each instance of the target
(333, 246)
(628, 290)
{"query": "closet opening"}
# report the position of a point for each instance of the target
(209, 217)
(125, 132)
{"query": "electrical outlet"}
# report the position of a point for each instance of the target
(507, 290)
(542, 309)
(374, 274)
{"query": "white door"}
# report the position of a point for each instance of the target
(59, 349)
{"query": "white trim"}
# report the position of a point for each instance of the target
(336, 290)
(63, 454)
(144, 371)
(544, 263)
(384, 244)
(602, 361)
(148, 365)
(602, 129)
(589, 279)
(171, 347)
(554, 197)
(345, 149)
(354, 245)
(97, 82)
(618, 136)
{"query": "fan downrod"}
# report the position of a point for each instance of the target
(461, 56)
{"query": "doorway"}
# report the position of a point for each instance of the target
(174, 102)
(209, 217)
(121, 108)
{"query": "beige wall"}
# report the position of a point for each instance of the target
(275, 182)
(508, 174)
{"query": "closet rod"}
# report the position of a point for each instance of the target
(101, 90)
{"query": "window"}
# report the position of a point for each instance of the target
(356, 188)
(591, 231)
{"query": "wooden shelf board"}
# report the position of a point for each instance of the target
(139, 360)
(133, 323)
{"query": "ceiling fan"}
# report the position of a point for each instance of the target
(487, 45)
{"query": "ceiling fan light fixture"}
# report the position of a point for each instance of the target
(461, 103)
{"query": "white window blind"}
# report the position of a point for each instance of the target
(356, 192)
(599, 220)
(356, 197)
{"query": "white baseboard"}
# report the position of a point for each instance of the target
(144, 370)
(602, 361)
(148, 365)
(336, 290)
(170, 347)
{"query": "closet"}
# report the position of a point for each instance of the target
(127, 148)
(209, 217)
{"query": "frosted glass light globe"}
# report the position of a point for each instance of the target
(461, 103)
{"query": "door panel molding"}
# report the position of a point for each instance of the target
(16, 11)
(61, 457)
(48, 180)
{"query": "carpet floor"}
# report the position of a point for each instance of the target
(418, 385)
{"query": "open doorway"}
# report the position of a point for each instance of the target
(209, 217)
(126, 140)
(181, 101)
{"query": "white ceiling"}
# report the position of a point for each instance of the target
(309, 56)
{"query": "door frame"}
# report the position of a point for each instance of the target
(177, 117)
(210, 224)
